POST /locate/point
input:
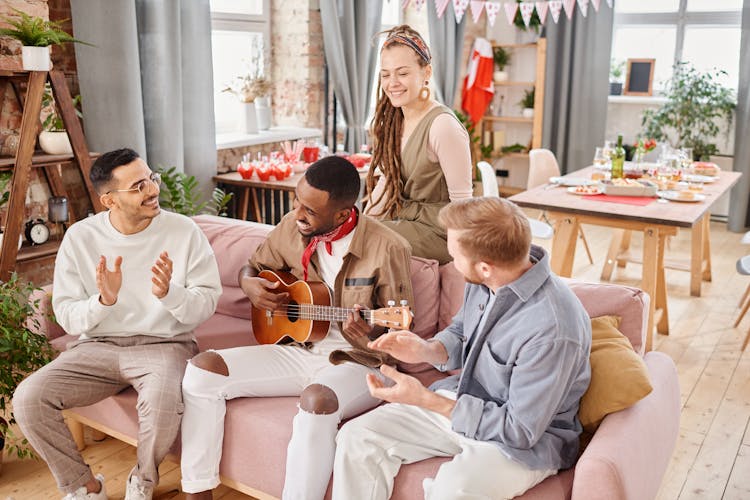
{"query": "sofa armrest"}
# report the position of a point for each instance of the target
(44, 315)
(629, 453)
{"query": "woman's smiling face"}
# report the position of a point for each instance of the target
(401, 76)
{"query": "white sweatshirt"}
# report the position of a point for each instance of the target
(194, 289)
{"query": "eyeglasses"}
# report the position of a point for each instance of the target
(155, 178)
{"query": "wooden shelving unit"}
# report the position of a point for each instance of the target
(530, 128)
(25, 160)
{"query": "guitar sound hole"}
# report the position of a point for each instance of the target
(292, 312)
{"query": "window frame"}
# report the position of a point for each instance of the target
(247, 23)
(681, 20)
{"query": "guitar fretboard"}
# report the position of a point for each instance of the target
(322, 313)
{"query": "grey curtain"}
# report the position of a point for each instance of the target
(446, 45)
(576, 86)
(739, 209)
(147, 84)
(349, 28)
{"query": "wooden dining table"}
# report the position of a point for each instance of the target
(656, 221)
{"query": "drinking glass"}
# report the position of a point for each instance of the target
(600, 159)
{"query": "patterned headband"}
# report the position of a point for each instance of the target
(415, 42)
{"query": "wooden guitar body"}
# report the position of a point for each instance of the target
(271, 327)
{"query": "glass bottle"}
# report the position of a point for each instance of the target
(618, 160)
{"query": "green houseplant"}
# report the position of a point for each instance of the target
(527, 103)
(36, 35)
(616, 70)
(53, 138)
(696, 101)
(501, 58)
(534, 22)
(180, 194)
(5, 178)
(23, 349)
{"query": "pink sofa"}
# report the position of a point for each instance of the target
(626, 458)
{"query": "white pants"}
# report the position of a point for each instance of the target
(268, 371)
(372, 447)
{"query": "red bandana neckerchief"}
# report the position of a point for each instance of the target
(336, 234)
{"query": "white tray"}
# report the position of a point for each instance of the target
(644, 188)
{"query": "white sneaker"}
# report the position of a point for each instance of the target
(136, 490)
(82, 494)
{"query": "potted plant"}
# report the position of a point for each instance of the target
(247, 88)
(616, 69)
(22, 350)
(53, 139)
(696, 101)
(526, 34)
(36, 35)
(501, 58)
(180, 195)
(527, 103)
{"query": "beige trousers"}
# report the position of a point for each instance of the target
(92, 370)
(371, 448)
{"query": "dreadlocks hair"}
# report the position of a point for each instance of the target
(387, 127)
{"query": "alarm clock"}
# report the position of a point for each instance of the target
(37, 232)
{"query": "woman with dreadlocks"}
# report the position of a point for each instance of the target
(420, 149)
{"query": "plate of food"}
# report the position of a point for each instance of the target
(686, 196)
(585, 190)
(705, 179)
(571, 181)
(629, 187)
(706, 168)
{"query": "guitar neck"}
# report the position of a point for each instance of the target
(327, 313)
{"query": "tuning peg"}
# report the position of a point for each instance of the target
(404, 302)
(391, 303)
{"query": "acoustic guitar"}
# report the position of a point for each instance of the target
(308, 314)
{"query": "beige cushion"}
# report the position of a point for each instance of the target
(619, 377)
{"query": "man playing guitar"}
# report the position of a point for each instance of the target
(366, 265)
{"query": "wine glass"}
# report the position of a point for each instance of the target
(600, 159)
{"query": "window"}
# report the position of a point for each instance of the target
(240, 43)
(705, 33)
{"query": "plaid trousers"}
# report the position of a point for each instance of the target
(94, 369)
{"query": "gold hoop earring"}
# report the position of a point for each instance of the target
(424, 93)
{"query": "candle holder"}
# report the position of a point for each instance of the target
(57, 211)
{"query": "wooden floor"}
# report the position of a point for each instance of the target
(712, 457)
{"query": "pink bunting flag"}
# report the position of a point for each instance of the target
(476, 9)
(609, 2)
(440, 6)
(404, 4)
(570, 7)
(541, 11)
(596, 3)
(418, 4)
(510, 11)
(459, 7)
(491, 8)
(555, 6)
(527, 9)
(584, 6)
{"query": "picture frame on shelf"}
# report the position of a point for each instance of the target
(640, 79)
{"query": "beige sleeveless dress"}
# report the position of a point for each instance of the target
(425, 193)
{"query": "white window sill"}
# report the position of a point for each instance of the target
(636, 99)
(274, 134)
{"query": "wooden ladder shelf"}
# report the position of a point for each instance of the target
(30, 125)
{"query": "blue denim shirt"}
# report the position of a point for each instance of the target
(523, 374)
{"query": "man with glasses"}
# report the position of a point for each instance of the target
(132, 282)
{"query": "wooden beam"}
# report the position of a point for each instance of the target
(75, 133)
(22, 172)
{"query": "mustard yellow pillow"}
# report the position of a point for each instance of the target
(619, 377)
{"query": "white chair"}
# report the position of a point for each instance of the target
(743, 267)
(542, 166)
(539, 229)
